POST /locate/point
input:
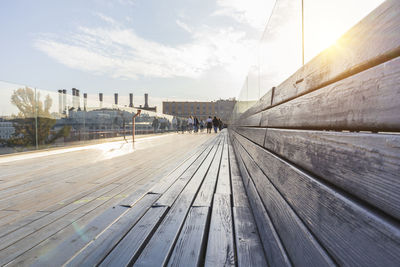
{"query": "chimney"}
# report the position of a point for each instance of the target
(84, 101)
(64, 107)
(131, 100)
(146, 100)
(74, 98)
(78, 100)
(116, 99)
(101, 99)
(60, 101)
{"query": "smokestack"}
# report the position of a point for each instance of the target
(146, 100)
(84, 101)
(74, 98)
(60, 101)
(64, 101)
(101, 99)
(131, 100)
(116, 99)
(78, 100)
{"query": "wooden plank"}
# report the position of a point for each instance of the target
(372, 41)
(165, 183)
(273, 248)
(252, 120)
(239, 195)
(98, 237)
(224, 180)
(249, 248)
(190, 245)
(168, 198)
(220, 246)
(23, 239)
(129, 248)
(301, 246)
(366, 101)
(348, 230)
(158, 249)
(257, 135)
(207, 189)
(365, 165)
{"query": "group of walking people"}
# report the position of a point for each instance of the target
(193, 124)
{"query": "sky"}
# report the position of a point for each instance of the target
(175, 49)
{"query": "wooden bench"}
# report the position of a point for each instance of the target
(320, 153)
(198, 214)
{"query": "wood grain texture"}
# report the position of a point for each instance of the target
(206, 192)
(169, 197)
(95, 247)
(158, 249)
(249, 248)
(189, 248)
(257, 135)
(224, 179)
(130, 247)
(220, 246)
(366, 101)
(365, 165)
(273, 248)
(239, 195)
(301, 246)
(346, 229)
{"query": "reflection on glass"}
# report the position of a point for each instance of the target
(35, 119)
(280, 48)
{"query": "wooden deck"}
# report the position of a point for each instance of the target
(45, 199)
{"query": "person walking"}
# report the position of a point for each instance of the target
(190, 124)
(155, 124)
(196, 124)
(209, 124)
(221, 125)
(174, 123)
(215, 124)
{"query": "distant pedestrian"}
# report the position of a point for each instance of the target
(196, 124)
(155, 125)
(184, 125)
(220, 124)
(190, 124)
(215, 123)
(209, 124)
(174, 123)
(201, 125)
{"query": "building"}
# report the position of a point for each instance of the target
(221, 108)
(6, 129)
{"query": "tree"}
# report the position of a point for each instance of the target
(32, 113)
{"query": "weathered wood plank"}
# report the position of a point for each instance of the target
(248, 245)
(99, 236)
(301, 246)
(158, 249)
(239, 196)
(130, 247)
(273, 248)
(252, 120)
(169, 197)
(257, 135)
(224, 180)
(207, 189)
(366, 101)
(365, 165)
(345, 228)
(372, 41)
(220, 246)
(191, 242)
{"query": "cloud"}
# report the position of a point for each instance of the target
(118, 52)
(251, 12)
